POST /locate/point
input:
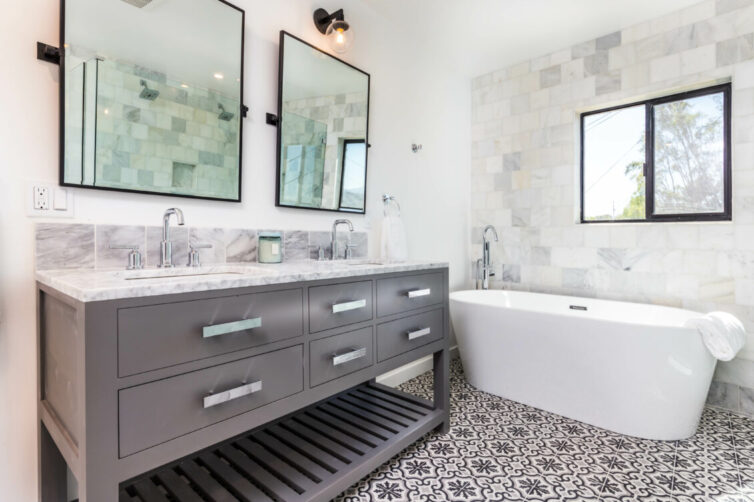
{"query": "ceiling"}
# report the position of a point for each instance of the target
(310, 73)
(478, 36)
(190, 40)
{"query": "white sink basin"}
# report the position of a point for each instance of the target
(179, 272)
(363, 262)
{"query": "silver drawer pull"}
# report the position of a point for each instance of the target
(419, 292)
(345, 307)
(230, 395)
(413, 335)
(231, 327)
(349, 356)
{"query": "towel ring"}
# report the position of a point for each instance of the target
(387, 199)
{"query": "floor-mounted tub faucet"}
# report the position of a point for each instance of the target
(166, 247)
(485, 269)
(334, 239)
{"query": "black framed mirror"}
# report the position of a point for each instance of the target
(151, 96)
(323, 124)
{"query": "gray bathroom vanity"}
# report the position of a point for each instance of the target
(235, 382)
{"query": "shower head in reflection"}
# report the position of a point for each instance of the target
(224, 115)
(147, 93)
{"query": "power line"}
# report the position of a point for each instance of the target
(614, 165)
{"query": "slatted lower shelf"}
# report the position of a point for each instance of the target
(313, 454)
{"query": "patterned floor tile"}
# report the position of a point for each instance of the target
(501, 450)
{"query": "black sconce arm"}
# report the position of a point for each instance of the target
(322, 19)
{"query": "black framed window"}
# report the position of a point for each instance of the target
(665, 159)
(353, 175)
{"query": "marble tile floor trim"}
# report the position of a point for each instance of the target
(84, 245)
(732, 397)
(502, 450)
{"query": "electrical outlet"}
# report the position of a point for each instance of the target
(47, 200)
(41, 198)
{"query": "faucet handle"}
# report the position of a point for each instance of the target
(200, 245)
(349, 250)
(134, 256)
(194, 258)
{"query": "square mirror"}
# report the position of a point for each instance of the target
(323, 116)
(151, 96)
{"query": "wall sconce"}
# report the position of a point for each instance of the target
(334, 26)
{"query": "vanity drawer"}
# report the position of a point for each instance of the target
(339, 305)
(397, 337)
(156, 412)
(335, 356)
(405, 293)
(158, 336)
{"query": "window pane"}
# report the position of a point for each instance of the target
(689, 158)
(614, 187)
(354, 175)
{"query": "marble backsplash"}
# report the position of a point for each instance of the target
(86, 245)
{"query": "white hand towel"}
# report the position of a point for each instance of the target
(723, 334)
(394, 248)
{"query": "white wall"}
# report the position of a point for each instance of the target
(413, 100)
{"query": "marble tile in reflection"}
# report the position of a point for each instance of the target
(179, 238)
(64, 245)
(118, 235)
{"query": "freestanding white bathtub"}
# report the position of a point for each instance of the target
(625, 367)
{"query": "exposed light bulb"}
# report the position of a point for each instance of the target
(219, 76)
(340, 36)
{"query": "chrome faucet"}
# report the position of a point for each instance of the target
(166, 247)
(334, 239)
(485, 269)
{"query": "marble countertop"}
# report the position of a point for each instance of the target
(97, 285)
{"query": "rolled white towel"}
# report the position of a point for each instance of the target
(723, 334)
(394, 248)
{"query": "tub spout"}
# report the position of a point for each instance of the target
(485, 269)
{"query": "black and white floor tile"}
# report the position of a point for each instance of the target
(502, 450)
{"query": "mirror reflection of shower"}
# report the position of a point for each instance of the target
(224, 115)
(147, 93)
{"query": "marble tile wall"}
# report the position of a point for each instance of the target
(525, 174)
(176, 143)
(78, 245)
(345, 116)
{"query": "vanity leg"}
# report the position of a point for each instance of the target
(442, 387)
(53, 483)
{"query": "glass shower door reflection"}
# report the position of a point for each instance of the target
(303, 161)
